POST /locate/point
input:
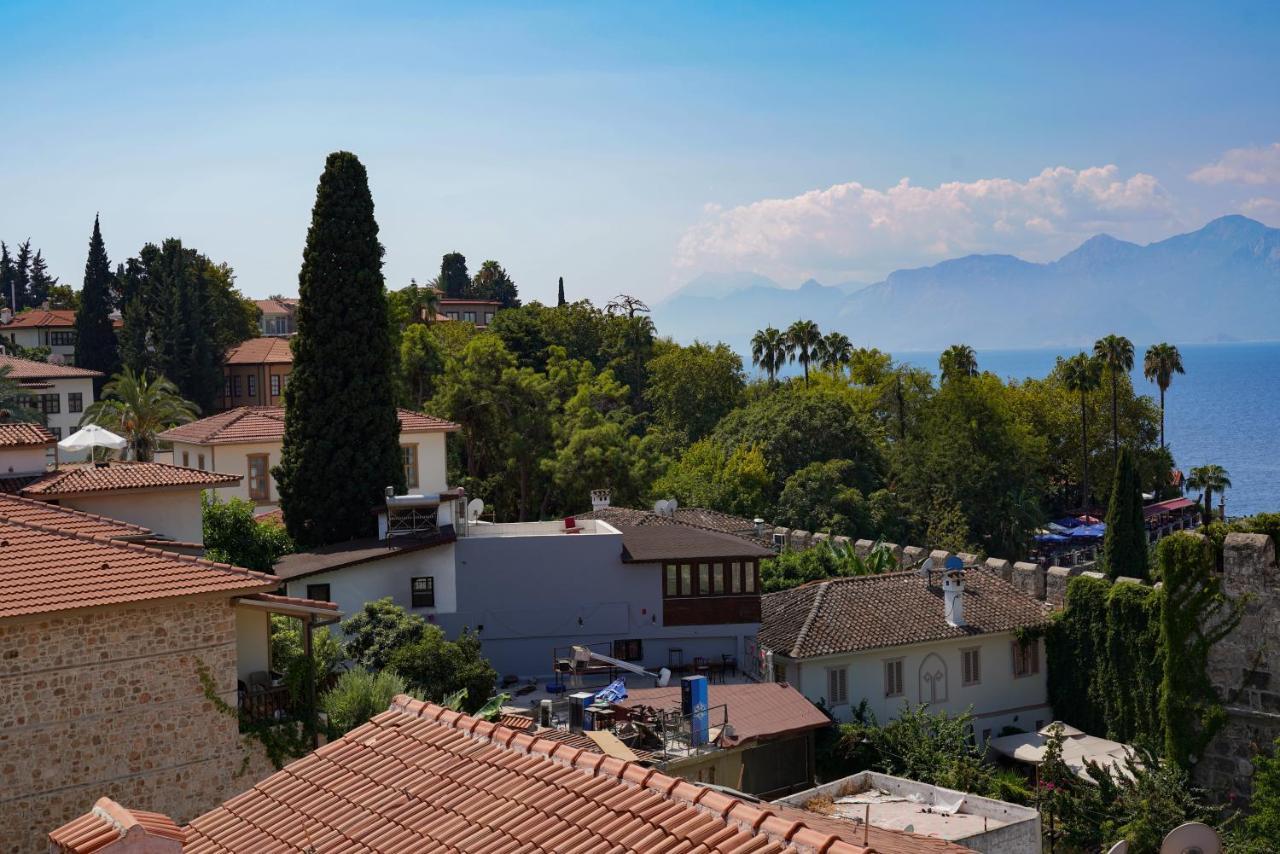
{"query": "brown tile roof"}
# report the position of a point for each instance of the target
(247, 424)
(760, 710)
(80, 479)
(421, 778)
(261, 351)
(277, 306)
(108, 823)
(46, 515)
(41, 317)
(356, 552)
(24, 434)
(44, 570)
(650, 543)
(693, 517)
(897, 608)
(28, 369)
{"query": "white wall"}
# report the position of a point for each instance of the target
(253, 641)
(173, 513)
(68, 422)
(998, 699)
(432, 460)
(23, 460)
(351, 587)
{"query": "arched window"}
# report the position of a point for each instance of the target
(933, 679)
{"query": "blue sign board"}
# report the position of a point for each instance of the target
(693, 703)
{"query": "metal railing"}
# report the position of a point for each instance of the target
(412, 520)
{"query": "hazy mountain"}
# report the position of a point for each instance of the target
(1219, 283)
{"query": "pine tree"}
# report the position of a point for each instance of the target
(1124, 547)
(22, 277)
(560, 294)
(341, 441)
(8, 275)
(454, 281)
(96, 345)
(39, 282)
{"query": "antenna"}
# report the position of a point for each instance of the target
(1192, 838)
(474, 508)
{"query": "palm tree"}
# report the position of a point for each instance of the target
(1159, 365)
(956, 361)
(1083, 374)
(429, 304)
(802, 343)
(769, 351)
(15, 403)
(834, 351)
(138, 406)
(1116, 354)
(1210, 478)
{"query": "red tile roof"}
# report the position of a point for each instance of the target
(277, 306)
(41, 317)
(108, 823)
(28, 369)
(760, 710)
(44, 570)
(852, 614)
(46, 515)
(421, 778)
(80, 479)
(261, 351)
(248, 424)
(24, 434)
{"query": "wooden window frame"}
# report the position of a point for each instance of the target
(971, 676)
(896, 666)
(75, 401)
(252, 386)
(711, 578)
(409, 459)
(275, 385)
(1026, 658)
(425, 598)
(313, 591)
(628, 649)
(265, 493)
(837, 686)
(235, 385)
(200, 461)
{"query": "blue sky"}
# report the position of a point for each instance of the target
(631, 148)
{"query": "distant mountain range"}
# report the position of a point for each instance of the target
(1220, 283)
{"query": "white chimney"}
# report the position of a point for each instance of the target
(953, 596)
(599, 499)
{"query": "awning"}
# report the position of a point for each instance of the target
(1173, 505)
(1078, 749)
(293, 606)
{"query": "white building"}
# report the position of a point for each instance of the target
(61, 392)
(888, 640)
(42, 327)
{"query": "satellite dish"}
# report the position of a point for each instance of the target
(1120, 847)
(474, 508)
(1192, 838)
(673, 506)
(926, 566)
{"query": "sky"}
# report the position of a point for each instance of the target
(631, 147)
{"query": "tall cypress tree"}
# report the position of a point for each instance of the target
(22, 277)
(560, 294)
(8, 276)
(341, 439)
(1124, 547)
(96, 345)
(454, 283)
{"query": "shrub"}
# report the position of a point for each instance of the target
(358, 696)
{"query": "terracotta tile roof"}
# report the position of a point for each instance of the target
(44, 570)
(46, 515)
(79, 479)
(13, 484)
(421, 778)
(248, 424)
(261, 351)
(42, 317)
(28, 369)
(758, 710)
(24, 434)
(876, 611)
(108, 823)
(277, 306)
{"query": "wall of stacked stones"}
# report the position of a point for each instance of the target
(108, 701)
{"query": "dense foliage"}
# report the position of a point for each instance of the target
(436, 668)
(1124, 548)
(24, 277)
(795, 567)
(232, 534)
(341, 441)
(139, 407)
(358, 695)
(96, 344)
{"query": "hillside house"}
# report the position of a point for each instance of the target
(255, 372)
(478, 311)
(278, 316)
(61, 392)
(900, 638)
(43, 327)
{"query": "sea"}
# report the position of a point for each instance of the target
(1225, 409)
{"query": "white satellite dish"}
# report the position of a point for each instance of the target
(1192, 838)
(661, 507)
(672, 506)
(474, 508)
(926, 566)
(1120, 847)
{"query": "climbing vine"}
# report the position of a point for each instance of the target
(283, 741)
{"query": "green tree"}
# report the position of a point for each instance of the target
(436, 667)
(359, 695)
(454, 281)
(823, 496)
(139, 407)
(1124, 547)
(492, 282)
(421, 363)
(1209, 478)
(691, 388)
(15, 401)
(594, 444)
(341, 439)
(377, 630)
(1262, 824)
(1159, 365)
(8, 276)
(803, 338)
(706, 475)
(958, 361)
(305, 677)
(769, 351)
(1082, 375)
(20, 278)
(64, 297)
(560, 293)
(41, 283)
(232, 534)
(834, 352)
(1115, 352)
(470, 393)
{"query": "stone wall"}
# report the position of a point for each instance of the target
(107, 701)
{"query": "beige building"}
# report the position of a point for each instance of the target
(277, 316)
(42, 327)
(61, 392)
(255, 373)
(246, 442)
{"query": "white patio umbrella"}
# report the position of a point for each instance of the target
(92, 436)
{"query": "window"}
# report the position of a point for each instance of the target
(893, 678)
(62, 338)
(704, 579)
(200, 461)
(717, 578)
(423, 591)
(628, 650)
(452, 315)
(409, 456)
(226, 386)
(673, 581)
(749, 576)
(75, 401)
(1026, 658)
(837, 685)
(259, 486)
(186, 460)
(469, 316)
(318, 592)
(779, 671)
(735, 577)
(972, 667)
(275, 385)
(488, 318)
(235, 386)
(253, 385)
(56, 431)
(49, 404)
(686, 580)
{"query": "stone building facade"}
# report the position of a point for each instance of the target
(108, 701)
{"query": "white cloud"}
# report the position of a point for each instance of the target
(1256, 166)
(1263, 208)
(857, 231)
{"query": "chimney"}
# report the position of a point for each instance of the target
(953, 593)
(599, 499)
(6, 315)
(759, 523)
